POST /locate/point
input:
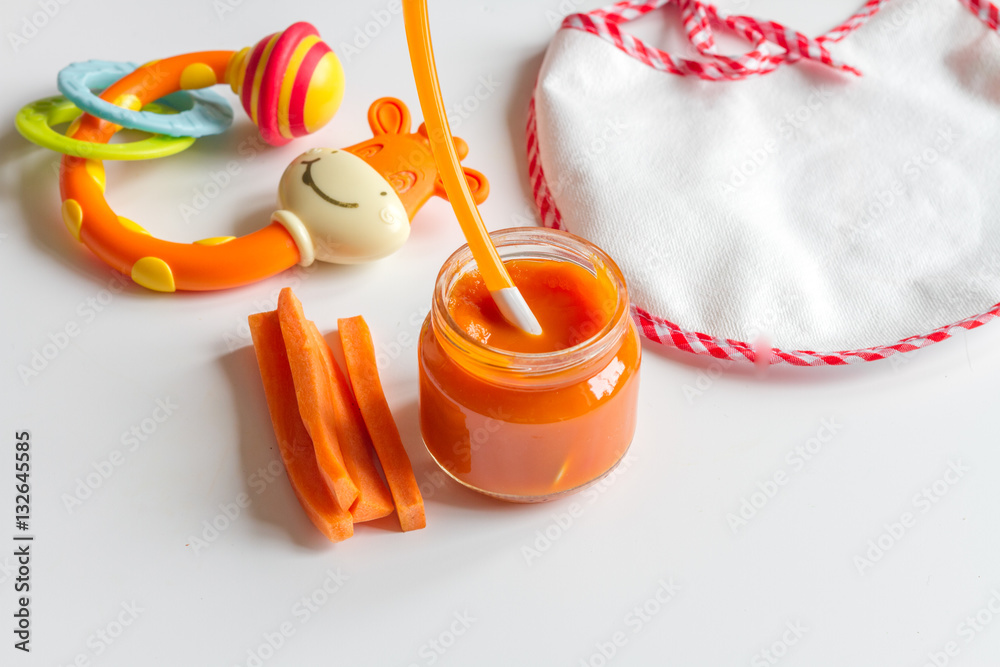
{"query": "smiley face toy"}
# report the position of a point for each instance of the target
(339, 209)
(355, 204)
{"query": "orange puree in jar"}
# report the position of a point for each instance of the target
(570, 303)
(523, 417)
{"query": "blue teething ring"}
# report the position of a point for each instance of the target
(211, 114)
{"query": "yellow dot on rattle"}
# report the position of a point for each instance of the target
(215, 240)
(132, 225)
(198, 75)
(129, 101)
(72, 215)
(153, 273)
(95, 169)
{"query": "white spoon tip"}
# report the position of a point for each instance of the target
(515, 310)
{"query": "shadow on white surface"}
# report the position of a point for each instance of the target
(517, 118)
(38, 198)
(278, 509)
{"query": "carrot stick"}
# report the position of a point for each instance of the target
(359, 352)
(374, 500)
(293, 440)
(312, 390)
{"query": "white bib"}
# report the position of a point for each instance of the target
(837, 197)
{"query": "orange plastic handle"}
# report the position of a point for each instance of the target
(153, 263)
(418, 38)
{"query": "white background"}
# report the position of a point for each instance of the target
(710, 436)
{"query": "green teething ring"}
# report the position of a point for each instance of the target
(35, 122)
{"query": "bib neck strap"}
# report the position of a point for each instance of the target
(772, 44)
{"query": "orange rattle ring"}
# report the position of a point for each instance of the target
(290, 83)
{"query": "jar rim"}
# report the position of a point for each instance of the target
(547, 244)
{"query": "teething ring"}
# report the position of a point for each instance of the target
(159, 265)
(291, 83)
(35, 122)
(216, 263)
(209, 115)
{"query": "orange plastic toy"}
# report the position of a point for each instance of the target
(291, 83)
(405, 160)
(355, 204)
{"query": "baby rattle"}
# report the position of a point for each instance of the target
(350, 205)
(290, 83)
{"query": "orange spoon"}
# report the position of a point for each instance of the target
(508, 298)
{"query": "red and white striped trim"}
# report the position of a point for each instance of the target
(663, 331)
(986, 11)
(773, 44)
(668, 333)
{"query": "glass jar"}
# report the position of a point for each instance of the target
(529, 427)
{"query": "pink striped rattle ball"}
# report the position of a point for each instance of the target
(290, 83)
